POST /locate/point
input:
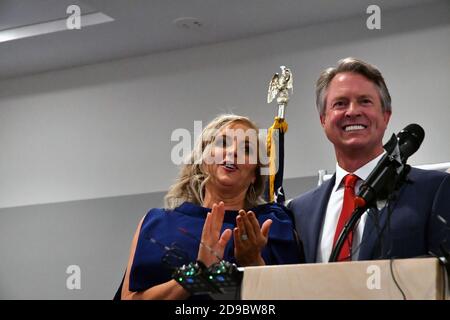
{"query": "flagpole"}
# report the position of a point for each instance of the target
(279, 88)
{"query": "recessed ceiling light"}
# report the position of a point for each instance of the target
(188, 23)
(51, 26)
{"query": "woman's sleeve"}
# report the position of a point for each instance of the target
(284, 245)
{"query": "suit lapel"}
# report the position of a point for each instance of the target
(318, 214)
(371, 233)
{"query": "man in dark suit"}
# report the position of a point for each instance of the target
(354, 105)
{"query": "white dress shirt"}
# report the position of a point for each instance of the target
(334, 210)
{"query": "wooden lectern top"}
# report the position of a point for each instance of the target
(422, 278)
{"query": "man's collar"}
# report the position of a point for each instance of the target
(362, 172)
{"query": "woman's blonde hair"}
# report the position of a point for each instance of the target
(191, 182)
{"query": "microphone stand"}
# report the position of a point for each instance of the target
(362, 205)
(348, 227)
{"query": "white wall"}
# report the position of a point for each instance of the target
(104, 130)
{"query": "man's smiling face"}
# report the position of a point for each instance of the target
(353, 118)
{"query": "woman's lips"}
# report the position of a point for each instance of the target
(229, 167)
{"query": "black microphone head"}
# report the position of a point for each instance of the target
(410, 139)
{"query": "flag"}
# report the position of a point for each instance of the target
(275, 150)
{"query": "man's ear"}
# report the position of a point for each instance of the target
(387, 116)
(322, 120)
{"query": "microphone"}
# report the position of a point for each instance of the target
(383, 179)
(410, 140)
(173, 256)
(211, 250)
(388, 175)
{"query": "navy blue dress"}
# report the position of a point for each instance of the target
(163, 226)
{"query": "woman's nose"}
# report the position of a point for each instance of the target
(231, 149)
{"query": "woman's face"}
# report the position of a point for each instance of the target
(234, 158)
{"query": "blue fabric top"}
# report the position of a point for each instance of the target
(163, 226)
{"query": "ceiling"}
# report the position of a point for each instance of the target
(147, 26)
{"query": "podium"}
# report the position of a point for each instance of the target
(422, 278)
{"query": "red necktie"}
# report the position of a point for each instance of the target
(348, 206)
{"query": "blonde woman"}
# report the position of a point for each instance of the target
(216, 198)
